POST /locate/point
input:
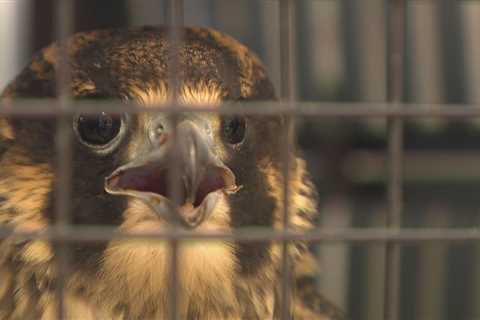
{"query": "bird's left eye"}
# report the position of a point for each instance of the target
(98, 129)
(234, 129)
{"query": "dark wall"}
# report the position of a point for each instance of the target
(89, 14)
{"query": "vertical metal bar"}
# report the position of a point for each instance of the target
(287, 94)
(174, 17)
(175, 21)
(287, 51)
(64, 27)
(396, 40)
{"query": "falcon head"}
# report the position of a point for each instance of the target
(227, 170)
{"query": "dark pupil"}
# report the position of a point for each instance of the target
(234, 130)
(98, 129)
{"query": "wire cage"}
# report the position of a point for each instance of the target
(395, 111)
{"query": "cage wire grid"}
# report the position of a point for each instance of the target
(392, 235)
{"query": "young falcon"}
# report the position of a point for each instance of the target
(230, 177)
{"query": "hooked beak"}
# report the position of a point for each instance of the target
(201, 177)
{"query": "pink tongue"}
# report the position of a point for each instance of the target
(151, 179)
(144, 179)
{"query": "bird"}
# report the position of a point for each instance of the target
(228, 169)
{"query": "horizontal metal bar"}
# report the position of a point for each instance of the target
(95, 234)
(45, 107)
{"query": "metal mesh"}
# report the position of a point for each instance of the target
(63, 234)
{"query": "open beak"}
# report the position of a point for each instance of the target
(196, 173)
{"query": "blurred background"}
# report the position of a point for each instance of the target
(342, 56)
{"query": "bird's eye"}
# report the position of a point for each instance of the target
(234, 129)
(98, 129)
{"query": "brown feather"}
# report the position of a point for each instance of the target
(129, 279)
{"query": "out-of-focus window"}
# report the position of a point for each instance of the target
(14, 37)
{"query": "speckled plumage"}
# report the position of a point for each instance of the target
(128, 279)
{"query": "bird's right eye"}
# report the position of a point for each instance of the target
(98, 130)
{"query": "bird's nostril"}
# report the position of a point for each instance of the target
(159, 128)
(158, 135)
